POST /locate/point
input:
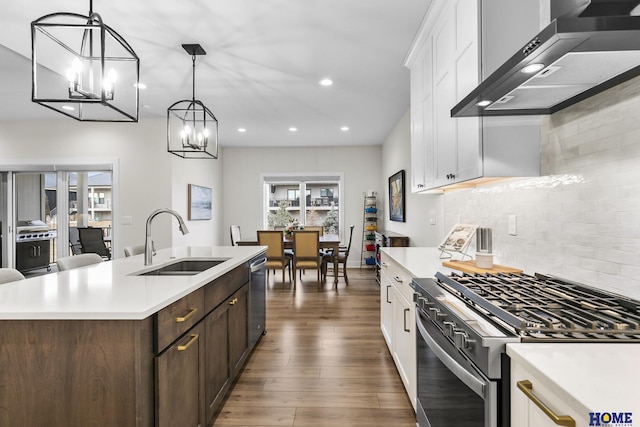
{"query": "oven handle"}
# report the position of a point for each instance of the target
(470, 380)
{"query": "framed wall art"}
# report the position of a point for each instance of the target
(396, 197)
(200, 201)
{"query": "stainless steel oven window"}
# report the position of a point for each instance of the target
(451, 391)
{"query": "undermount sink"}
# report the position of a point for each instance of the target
(185, 267)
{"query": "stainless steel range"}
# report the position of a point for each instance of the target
(464, 323)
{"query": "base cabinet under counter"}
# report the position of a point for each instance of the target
(397, 321)
(171, 369)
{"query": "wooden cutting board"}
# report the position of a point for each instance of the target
(470, 267)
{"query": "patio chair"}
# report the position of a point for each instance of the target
(92, 241)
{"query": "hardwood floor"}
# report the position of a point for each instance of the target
(323, 361)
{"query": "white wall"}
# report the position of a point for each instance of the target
(419, 208)
(242, 168)
(149, 177)
(581, 220)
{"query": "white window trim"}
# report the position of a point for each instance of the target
(304, 178)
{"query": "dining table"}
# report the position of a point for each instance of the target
(329, 241)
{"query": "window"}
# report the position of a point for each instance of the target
(321, 205)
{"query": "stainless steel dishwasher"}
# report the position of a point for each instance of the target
(257, 299)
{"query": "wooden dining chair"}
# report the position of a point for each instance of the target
(306, 254)
(343, 255)
(276, 257)
(319, 229)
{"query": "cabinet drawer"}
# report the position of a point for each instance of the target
(537, 391)
(220, 289)
(179, 317)
(397, 275)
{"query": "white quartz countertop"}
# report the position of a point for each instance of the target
(110, 290)
(421, 262)
(589, 377)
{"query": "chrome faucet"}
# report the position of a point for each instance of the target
(149, 250)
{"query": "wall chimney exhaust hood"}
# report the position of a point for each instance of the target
(572, 59)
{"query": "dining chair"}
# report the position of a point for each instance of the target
(10, 275)
(133, 250)
(92, 241)
(343, 255)
(319, 229)
(306, 254)
(276, 257)
(75, 261)
(234, 230)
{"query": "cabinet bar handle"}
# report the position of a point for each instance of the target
(562, 420)
(194, 338)
(406, 310)
(388, 286)
(398, 279)
(233, 301)
(191, 312)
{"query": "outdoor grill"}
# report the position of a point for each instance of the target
(33, 244)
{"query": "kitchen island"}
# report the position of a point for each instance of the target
(104, 346)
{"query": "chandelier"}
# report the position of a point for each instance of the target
(83, 69)
(192, 129)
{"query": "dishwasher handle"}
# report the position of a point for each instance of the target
(257, 265)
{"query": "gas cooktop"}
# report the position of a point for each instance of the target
(545, 308)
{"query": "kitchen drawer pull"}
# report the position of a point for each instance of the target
(388, 286)
(562, 420)
(406, 310)
(398, 279)
(233, 301)
(384, 264)
(194, 338)
(191, 312)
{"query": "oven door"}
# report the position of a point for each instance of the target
(452, 392)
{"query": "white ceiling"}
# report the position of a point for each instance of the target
(264, 60)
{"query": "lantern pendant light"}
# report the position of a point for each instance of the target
(192, 129)
(78, 62)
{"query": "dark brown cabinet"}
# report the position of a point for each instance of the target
(226, 346)
(179, 386)
(171, 369)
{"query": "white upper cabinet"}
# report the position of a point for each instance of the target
(445, 64)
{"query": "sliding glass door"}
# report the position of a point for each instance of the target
(55, 198)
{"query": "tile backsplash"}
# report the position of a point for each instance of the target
(581, 219)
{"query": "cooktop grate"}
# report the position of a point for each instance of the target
(547, 308)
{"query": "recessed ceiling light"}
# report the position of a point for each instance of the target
(68, 107)
(483, 103)
(140, 85)
(344, 128)
(532, 68)
(292, 129)
(326, 82)
(242, 130)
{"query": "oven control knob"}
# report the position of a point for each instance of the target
(440, 315)
(462, 340)
(449, 328)
(434, 313)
